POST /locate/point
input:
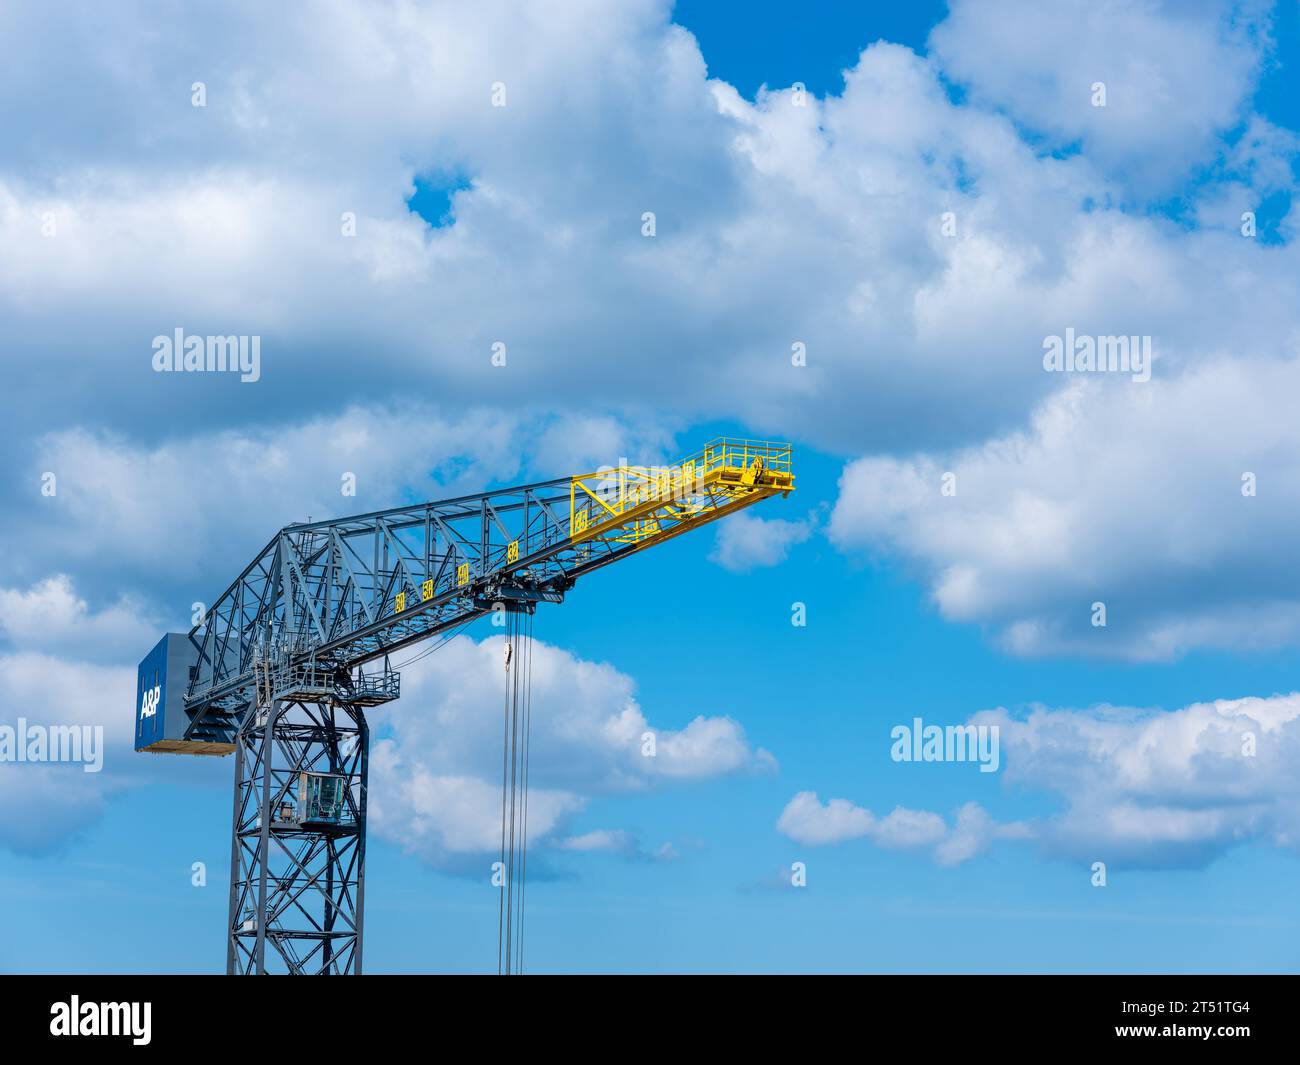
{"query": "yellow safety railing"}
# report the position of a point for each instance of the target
(631, 504)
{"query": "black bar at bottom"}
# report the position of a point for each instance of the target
(679, 1015)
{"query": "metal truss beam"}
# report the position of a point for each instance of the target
(344, 592)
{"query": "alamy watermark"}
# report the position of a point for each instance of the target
(76, 1018)
(208, 354)
(638, 484)
(920, 742)
(53, 743)
(1080, 353)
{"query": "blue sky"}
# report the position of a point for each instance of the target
(777, 222)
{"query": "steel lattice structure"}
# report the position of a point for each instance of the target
(290, 654)
(297, 887)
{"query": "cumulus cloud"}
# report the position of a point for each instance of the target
(807, 820)
(746, 542)
(52, 802)
(1153, 788)
(51, 616)
(436, 780)
(774, 223)
(1175, 74)
(1131, 495)
(1138, 788)
(60, 667)
(820, 224)
(198, 505)
(449, 817)
(435, 768)
(618, 841)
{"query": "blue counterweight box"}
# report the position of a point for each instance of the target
(160, 717)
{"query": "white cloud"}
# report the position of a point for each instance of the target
(1138, 788)
(51, 802)
(616, 841)
(805, 820)
(445, 816)
(775, 223)
(808, 821)
(436, 781)
(1156, 788)
(1120, 493)
(204, 503)
(50, 690)
(972, 832)
(1175, 74)
(51, 616)
(59, 801)
(746, 542)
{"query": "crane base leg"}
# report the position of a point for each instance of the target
(297, 876)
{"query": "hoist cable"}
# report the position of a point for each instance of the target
(505, 758)
(515, 743)
(527, 670)
(514, 806)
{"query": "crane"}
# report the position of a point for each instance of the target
(281, 669)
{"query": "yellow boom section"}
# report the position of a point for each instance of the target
(645, 505)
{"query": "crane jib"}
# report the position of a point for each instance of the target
(336, 597)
